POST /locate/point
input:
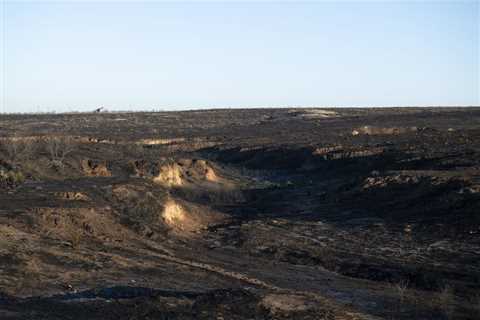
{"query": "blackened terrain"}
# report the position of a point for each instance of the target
(241, 214)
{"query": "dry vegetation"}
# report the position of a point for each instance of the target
(58, 149)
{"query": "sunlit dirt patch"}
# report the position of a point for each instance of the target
(187, 218)
(152, 142)
(170, 175)
(313, 113)
(187, 171)
(176, 217)
(370, 130)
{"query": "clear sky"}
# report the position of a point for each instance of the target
(67, 56)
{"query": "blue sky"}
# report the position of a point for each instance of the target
(67, 56)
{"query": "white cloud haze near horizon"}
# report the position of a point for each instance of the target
(71, 56)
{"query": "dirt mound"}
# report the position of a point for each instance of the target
(187, 171)
(74, 225)
(178, 218)
(170, 175)
(140, 210)
(182, 217)
(155, 214)
(93, 168)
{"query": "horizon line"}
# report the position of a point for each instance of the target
(210, 108)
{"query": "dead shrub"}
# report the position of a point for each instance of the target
(401, 289)
(58, 148)
(445, 301)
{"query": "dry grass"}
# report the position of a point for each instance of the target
(75, 236)
(30, 276)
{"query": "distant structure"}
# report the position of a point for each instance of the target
(99, 109)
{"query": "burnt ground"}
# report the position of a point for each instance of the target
(241, 214)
